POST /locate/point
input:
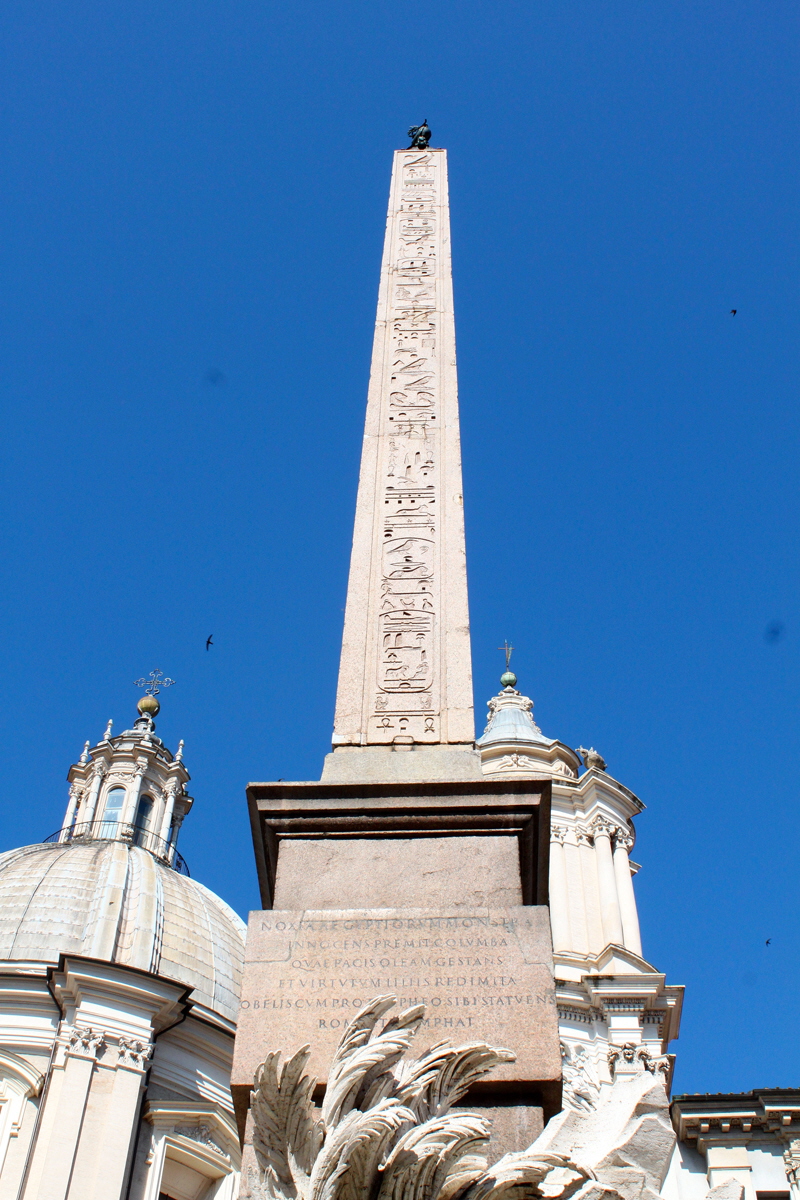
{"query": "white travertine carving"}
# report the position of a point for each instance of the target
(385, 1128)
(405, 674)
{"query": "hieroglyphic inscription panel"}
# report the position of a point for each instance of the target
(482, 976)
(407, 690)
(405, 662)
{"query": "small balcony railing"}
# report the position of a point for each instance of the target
(117, 831)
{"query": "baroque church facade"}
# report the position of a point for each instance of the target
(123, 980)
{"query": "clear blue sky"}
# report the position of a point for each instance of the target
(193, 205)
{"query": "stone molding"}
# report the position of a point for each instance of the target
(514, 807)
(727, 1118)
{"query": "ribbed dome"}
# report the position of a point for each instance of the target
(112, 901)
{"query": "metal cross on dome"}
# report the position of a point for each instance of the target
(509, 651)
(155, 683)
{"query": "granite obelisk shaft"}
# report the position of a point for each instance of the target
(405, 674)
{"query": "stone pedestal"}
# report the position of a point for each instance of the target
(431, 892)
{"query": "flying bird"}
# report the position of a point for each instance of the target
(768, 941)
(734, 312)
(209, 641)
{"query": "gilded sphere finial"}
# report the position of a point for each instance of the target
(148, 705)
(508, 679)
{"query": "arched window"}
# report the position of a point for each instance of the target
(144, 811)
(112, 811)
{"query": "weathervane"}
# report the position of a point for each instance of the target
(155, 683)
(508, 678)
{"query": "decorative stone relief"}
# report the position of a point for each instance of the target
(630, 1059)
(515, 762)
(82, 1039)
(581, 1087)
(385, 1129)
(199, 1133)
(134, 1053)
(791, 1161)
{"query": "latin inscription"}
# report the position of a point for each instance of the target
(459, 967)
(484, 975)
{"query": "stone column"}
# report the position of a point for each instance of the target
(170, 793)
(128, 814)
(559, 893)
(623, 843)
(606, 878)
(98, 774)
(791, 1160)
(75, 793)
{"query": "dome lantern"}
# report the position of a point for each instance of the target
(130, 788)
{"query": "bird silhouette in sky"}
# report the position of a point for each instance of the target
(767, 942)
(209, 641)
(734, 312)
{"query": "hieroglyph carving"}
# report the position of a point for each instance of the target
(409, 585)
(385, 1131)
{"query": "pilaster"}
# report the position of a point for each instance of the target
(90, 1106)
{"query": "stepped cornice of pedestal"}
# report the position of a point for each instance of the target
(283, 813)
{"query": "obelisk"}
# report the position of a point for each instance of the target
(405, 676)
(404, 870)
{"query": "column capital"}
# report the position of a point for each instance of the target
(133, 1052)
(632, 1059)
(82, 1040)
(603, 827)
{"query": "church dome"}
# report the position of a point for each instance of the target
(110, 900)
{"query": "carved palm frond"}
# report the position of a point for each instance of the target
(348, 1165)
(442, 1077)
(421, 1161)
(386, 1133)
(286, 1138)
(363, 1057)
(514, 1172)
